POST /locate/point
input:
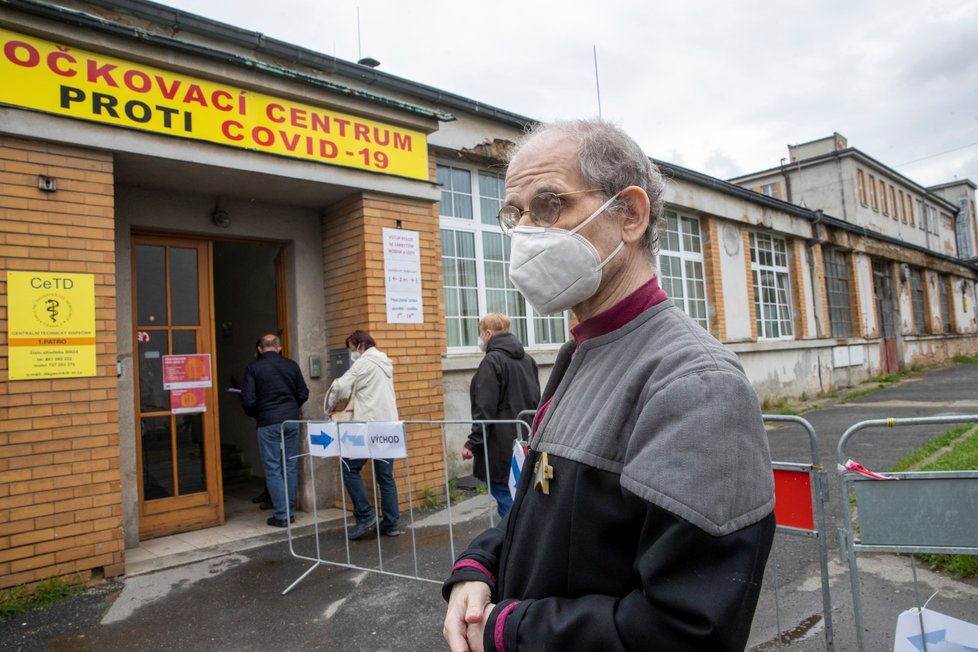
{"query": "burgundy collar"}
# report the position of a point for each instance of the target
(621, 313)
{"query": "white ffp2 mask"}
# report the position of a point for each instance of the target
(556, 269)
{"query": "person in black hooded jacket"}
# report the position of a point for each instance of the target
(505, 384)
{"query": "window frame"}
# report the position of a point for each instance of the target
(784, 312)
(685, 257)
(918, 301)
(840, 313)
(479, 226)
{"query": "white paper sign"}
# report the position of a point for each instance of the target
(942, 633)
(353, 440)
(386, 440)
(402, 276)
(324, 439)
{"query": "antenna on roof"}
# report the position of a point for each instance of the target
(369, 62)
(596, 83)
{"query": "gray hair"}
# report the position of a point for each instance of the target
(611, 160)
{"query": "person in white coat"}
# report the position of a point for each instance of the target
(368, 388)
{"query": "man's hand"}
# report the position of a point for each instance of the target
(466, 453)
(468, 606)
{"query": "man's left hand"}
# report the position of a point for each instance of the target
(466, 453)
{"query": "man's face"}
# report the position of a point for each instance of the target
(549, 163)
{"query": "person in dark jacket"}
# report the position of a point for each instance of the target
(505, 384)
(644, 514)
(272, 393)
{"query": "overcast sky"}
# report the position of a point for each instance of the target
(719, 87)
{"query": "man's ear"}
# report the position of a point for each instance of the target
(636, 214)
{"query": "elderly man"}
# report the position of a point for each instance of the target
(644, 516)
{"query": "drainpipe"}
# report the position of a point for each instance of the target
(787, 183)
(816, 239)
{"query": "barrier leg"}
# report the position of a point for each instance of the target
(845, 545)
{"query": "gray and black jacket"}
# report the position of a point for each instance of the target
(659, 517)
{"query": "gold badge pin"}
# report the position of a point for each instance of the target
(543, 473)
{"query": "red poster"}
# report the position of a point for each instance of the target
(193, 399)
(186, 371)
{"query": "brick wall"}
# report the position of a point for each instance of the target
(60, 498)
(797, 276)
(355, 299)
(714, 280)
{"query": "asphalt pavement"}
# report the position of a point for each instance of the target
(235, 601)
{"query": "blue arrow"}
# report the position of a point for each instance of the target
(938, 636)
(321, 439)
(353, 440)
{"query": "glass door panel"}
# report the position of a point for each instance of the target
(177, 451)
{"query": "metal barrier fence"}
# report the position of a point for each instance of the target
(355, 436)
(918, 512)
(801, 491)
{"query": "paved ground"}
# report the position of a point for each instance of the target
(235, 601)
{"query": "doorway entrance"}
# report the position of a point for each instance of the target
(886, 315)
(197, 296)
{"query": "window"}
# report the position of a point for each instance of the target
(903, 207)
(837, 291)
(872, 193)
(681, 265)
(893, 203)
(910, 214)
(942, 283)
(884, 204)
(771, 190)
(961, 231)
(475, 263)
(917, 300)
(861, 183)
(772, 297)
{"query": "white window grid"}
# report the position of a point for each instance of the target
(681, 266)
(475, 264)
(772, 291)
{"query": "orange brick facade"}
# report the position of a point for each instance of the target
(60, 497)
(355, 299)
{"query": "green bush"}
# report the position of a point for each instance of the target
(19, 599)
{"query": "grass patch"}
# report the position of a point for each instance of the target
(962, 456)
(860, 393)
(19, 599)
(780, 405)
(882, 382)
(912, 460)
(430, 498)
(967, 359)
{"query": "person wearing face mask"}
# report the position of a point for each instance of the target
(369, 386)
(505, 384)
(644, 514)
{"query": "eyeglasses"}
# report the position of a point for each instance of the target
(544, 210)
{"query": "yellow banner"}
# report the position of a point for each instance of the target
(51, 325)
(45, 76)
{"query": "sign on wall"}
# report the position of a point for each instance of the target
(51, 325)
(53, 78)
(402, 276)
